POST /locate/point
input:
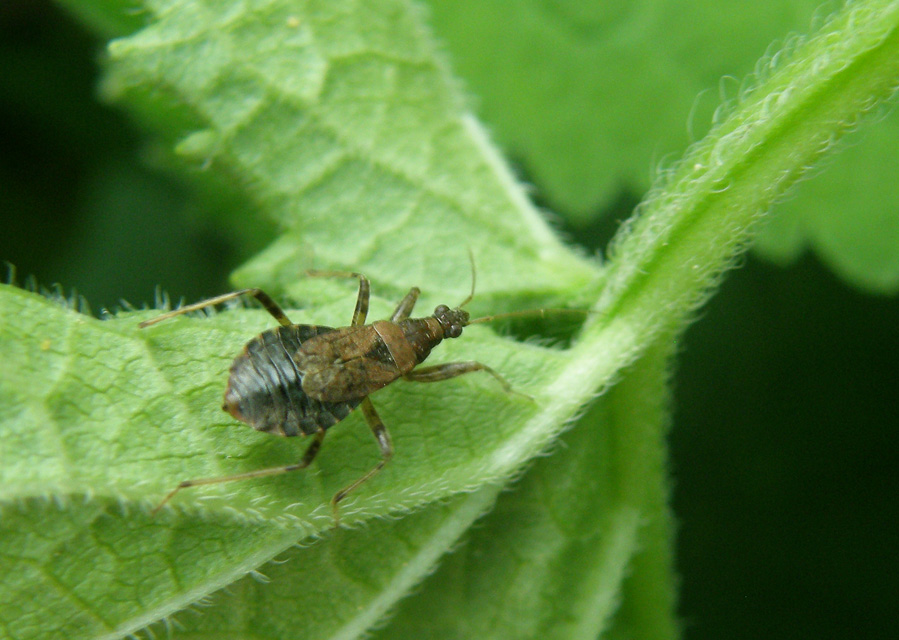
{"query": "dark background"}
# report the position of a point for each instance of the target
(784, 456)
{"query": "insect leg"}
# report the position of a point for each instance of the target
(383, 438)
(310, 454)
(404, 308)
(452, 369)
(270, 305)
(361, 311)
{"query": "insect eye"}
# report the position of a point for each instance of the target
(454, 331)
(441, 310)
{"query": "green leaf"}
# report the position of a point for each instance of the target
(341, 124)
(345, 582)
(101, 419)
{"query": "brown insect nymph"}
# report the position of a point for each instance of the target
(300, 380)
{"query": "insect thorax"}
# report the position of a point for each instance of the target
(423, 334)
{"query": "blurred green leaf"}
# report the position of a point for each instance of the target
(589, 96)
(848, 215)
(586, 97)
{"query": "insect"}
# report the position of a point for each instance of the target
(301, 380)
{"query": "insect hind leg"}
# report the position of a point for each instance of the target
(305, 461)
(384, 443)
(264, 299)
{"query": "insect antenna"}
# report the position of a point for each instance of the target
(474, 278)
(512, 314)
(527, 312)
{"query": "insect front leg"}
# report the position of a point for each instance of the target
(404, 308)
(384, 443)
(270, 305)
(452, 369)
(361, 311)
(306, 460)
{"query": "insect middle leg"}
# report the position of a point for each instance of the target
(264, 299)
(361, 311)
(384, 443)
(308, 457)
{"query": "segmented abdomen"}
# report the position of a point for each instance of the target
(265, 390)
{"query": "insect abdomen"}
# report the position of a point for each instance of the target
(265, 386)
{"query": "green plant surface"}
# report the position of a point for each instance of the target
(591, 528)
(342, 125)
(346, 118)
